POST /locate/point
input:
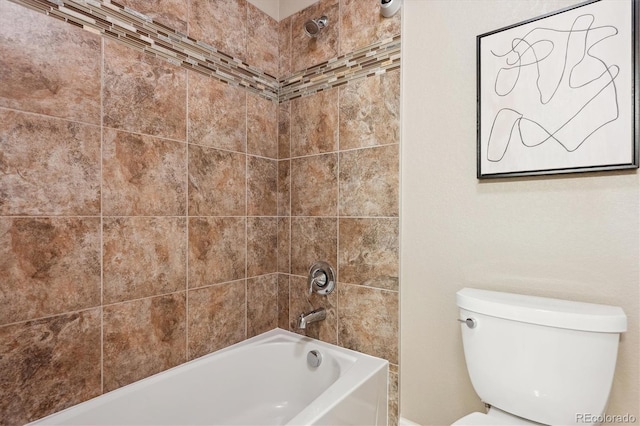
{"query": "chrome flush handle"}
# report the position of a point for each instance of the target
(471, 323)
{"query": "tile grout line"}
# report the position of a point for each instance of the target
(97, 216)
(102, 127)
(289, 212)
(39, 114)
(372, 288)
(338, 222)
(186, 294)
(339, 151)
(289, 202)
(289, 216)
(49, 216)
(278, 207)
(246, 214)
(102, 59)
(49, 316)
(100, 307)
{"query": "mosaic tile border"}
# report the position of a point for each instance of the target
(142, 33)
(375, 59)
(115, 21)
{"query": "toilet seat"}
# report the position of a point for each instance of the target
(495, 417)
(480, 419)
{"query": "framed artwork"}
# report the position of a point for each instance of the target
(559, 93)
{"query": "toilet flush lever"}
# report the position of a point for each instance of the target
(471, 323)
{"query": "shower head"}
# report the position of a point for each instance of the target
(313, 26)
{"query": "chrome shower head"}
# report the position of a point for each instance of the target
(313, 26)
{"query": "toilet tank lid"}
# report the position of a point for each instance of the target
(544, 311)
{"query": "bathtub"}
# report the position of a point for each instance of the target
(265, 380)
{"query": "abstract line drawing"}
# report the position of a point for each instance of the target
(582, 76)
(556, 91)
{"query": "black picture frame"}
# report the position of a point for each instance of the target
(559, 93)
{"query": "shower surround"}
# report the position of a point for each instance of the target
(151, 214)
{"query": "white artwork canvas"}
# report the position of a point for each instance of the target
(556, 94)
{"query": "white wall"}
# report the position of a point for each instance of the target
(280, 9)
(575, 237)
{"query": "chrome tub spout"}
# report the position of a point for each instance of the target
(311, 317)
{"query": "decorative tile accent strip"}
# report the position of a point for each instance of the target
(374, 59)
(142, 33)
(112, 20)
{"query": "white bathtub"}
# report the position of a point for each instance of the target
(265, 380)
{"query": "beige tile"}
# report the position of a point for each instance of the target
(284, 188)
(284, 244)
(48, 166)
(308, 51)
(312, 239)
(172, 13)
(362, 24)
(143, 256)
(149, 334)
(284, 47)
(217, 182)
(48, 266)
(314, 124)
(48, 365)
(368, 252)
(217, 251)
(217, 114)
(46, 63)
(262, 186)
(301, 302)
(262, 304)
(262, 127)
(262, 245)
(143, 175)
(217, 317)
(394, 399)
(369, 182)
(220, 23)
(143, 337)
(314, 185)
(283, 301)
(262, 40)
(370, 111)
(284, 130)
(143, 94)
(368, 321)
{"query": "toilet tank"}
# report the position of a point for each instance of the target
(547, 360)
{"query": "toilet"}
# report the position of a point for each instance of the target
(535, 360)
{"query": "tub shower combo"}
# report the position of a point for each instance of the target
(276, 378)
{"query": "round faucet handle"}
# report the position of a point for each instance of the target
(321, 278)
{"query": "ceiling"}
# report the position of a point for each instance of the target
(280, 9)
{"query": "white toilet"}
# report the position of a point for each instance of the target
(535, 360)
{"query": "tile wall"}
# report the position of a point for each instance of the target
(150, 214)
(138, 206)
(338, 177)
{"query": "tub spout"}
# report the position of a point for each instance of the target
(310, 317)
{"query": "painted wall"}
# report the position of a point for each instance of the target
(574, 237)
